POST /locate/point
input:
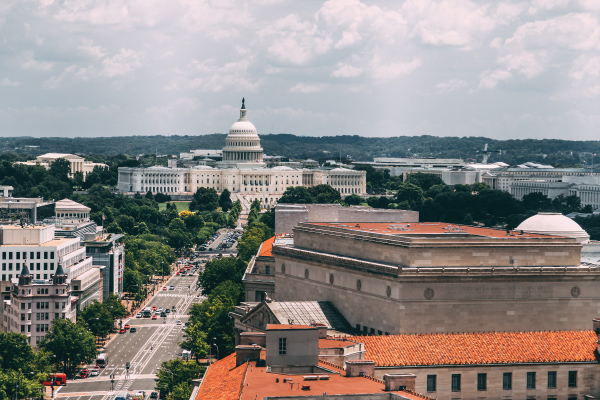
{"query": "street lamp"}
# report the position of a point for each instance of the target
(217, 347)
(210, 349)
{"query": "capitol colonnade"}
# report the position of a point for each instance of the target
(241, 170)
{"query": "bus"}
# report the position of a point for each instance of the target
(102, 360)
(57, 379)
(147, 312)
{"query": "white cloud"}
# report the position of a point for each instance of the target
(544, 5)
(450, 86)
(454, 22)
(490, 79)
(386, 71)
(525, 63)
(211, 76)
(347, 71)
(122, 63)
(308, 88)
(33, 64)
(9, 83)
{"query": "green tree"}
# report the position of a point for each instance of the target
(205, 199)
(60, 169)
(296, 195)
(97, 317)
(221, 270)
(353, 200)
(71, 343)
(173, 376)
(225, 200)
(424, 181)
(114, 306)
(324, 194)
(410, 194)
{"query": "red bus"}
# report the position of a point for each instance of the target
(57, 379)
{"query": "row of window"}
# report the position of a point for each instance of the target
(33, 266)
(18, 255)
(506, 381)
(8, 277)
(366, 329)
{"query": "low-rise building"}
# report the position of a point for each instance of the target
(35, 303)
(76, 163)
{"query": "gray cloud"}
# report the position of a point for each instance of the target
(508, 69)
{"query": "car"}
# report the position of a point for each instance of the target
(164, 288)
(179, 322)
(84, 373)
(163, 314)
(155, 316)
(126, 326)
(153, 308)
(168, 310)
(154, 395)
(139, 315)
(95, 372)
(122, 330)
(178, 273)
(132, 330)
(171, 287)
(159, 309)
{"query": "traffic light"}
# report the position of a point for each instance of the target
(127, 365)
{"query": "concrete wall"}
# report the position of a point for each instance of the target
(586, 381)
(429, 303)
(287, 216)
(302, 347)
(443, 250)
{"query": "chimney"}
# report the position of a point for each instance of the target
(322, 329)
(597, 330)
(360, 368)
(245, 353)
(258, 338)
(395, 382)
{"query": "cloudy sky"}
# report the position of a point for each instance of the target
(501, 69)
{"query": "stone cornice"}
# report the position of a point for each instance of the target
(436, 241)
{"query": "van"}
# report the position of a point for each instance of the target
(121, 396)
(140, 395)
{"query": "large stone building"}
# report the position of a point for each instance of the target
(76, 163)
(436, 277)
(241, 170)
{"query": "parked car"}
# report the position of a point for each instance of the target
(126, 326)
(122, 330)
(132, 330)
(179, 322)
(154, 395)
(84, 373)
(155, 316)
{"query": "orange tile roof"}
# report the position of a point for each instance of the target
(266, 247)
(334, 343)
(480, 348)
(259, 384)
(416, 228)
(223, 380)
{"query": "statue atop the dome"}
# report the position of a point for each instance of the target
(243, 105)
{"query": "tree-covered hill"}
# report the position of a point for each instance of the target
(550, 151)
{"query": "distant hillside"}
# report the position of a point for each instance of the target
(562, 152)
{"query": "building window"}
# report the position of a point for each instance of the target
(456, 382)
(431, 383)
(572, 379)
(507, 381)
(267, 270)
(481, 381)
(531, 380)
(282, 345)
(551, 379)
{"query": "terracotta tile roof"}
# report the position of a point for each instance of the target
(334, 343)
(279, 327)
(223, 380)
(480, 348)
(416, 228)
(266, 247)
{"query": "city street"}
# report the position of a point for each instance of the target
(154, 342)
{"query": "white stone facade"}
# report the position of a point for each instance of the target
(242, 170)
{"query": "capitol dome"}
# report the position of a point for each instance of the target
(242, 145)
(554, 224)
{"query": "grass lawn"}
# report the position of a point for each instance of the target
(181, 205)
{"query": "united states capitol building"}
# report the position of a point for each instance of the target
(241, 171)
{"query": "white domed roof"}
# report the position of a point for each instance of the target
(554, 224)
(282, 168)
(202, 167)
(243, 127)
